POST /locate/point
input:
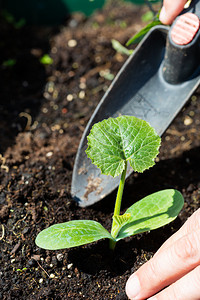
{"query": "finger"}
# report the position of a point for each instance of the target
(188, 287)
(192, 224)
(166, 267)
(170, 10)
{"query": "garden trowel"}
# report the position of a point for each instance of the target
(153, 85)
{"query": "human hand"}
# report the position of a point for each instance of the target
(171, 9)
(174, 269)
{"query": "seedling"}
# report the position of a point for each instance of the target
(112, 144)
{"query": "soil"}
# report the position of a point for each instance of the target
(44, 110)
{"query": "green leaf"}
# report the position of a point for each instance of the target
(116, 140)
(139, 36)
(71, 234)
(119, 48)
(106, 74)
(152, 212)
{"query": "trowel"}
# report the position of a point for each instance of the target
(154, 84)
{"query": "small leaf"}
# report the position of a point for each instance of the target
(126, 138)
(71, 234)
(119, 48)
(119, 221)
(106, 74)
(153, 211)
(139, 36)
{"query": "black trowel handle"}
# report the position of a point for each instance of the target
(182, 56)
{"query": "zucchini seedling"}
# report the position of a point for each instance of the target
(112, 144)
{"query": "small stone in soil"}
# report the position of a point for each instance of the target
(59, 256)
(54, 261)
(32, 262)
(69, 266)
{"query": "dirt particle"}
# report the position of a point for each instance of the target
(188, 121)
(4, 212)
(15, 249)
(59, 256)
(93, 185)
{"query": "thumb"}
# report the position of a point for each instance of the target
(170, 10)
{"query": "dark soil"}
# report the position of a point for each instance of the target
(44, 110)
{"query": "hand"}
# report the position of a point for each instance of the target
(171, 9)
(175, 267)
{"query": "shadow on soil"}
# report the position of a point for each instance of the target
(23, 77)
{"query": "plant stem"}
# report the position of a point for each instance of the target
(118, 205)
(120, 192)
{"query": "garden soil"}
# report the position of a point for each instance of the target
(43, 112)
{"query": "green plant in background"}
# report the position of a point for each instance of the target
(9, 62)
(22, 270)
(150, 16)
(9, 18)
(112, 144)
(140, 35)
(119, 48)
(46, 60)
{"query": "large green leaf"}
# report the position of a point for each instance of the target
(126, 138)
(71, 234)
(152, 212)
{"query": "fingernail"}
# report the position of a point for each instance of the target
(163, 16)
(133, 287)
